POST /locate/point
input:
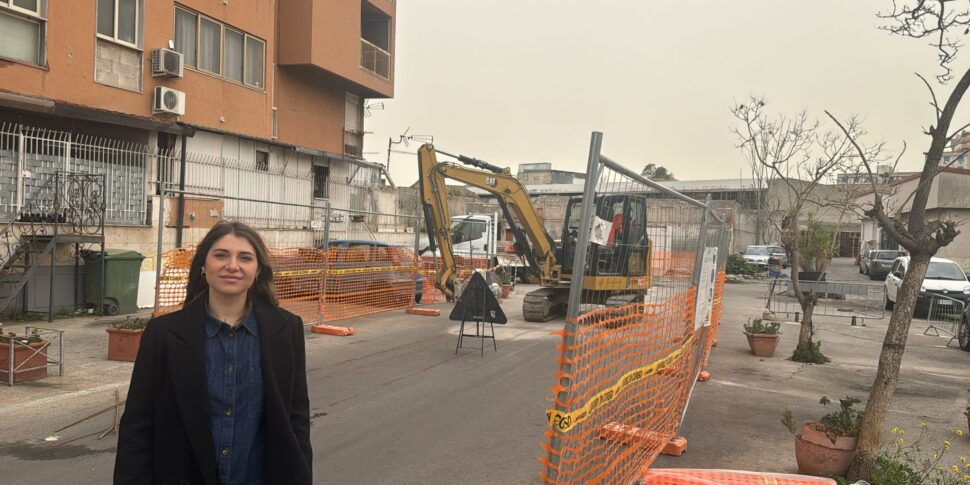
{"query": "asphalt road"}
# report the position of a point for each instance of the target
(394, 404)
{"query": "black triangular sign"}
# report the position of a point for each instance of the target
(478, 303)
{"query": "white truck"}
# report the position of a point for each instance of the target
(478, 236)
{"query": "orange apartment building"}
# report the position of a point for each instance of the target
(263, 101)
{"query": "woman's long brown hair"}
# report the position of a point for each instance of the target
(262, 288)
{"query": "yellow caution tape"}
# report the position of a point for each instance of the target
(371, 269)
(300, 272)
(563, 422)
(309, 272)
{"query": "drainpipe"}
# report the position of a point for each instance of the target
(180, 212)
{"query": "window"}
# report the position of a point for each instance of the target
(234, 55)
(321, 179)
(210, 46)
(262, 161)
(218, 49)
(23, 30)
(120, 21)
(186, 35)
(254, 61)
(353, 123)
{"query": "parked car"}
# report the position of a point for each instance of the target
(943, 278)
(365, 278)
(880, 261)
(756, 255)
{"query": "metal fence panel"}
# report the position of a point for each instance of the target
(348, 264)
(647, 277)
(858, 301)
(944, 314)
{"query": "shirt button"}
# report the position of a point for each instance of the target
(232, 367)
(225, 452)
(228, 411)
(232, 334)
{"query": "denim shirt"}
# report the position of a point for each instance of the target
(235, 382)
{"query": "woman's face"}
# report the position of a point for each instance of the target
(231, 266)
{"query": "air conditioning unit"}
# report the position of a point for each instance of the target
(168, 63)
(169, 101)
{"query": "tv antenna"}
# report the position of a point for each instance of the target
(405, 138)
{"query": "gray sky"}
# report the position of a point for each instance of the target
(519, 81)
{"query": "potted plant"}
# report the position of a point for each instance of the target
(29, 356)
(826, 447)
(762, 337)
(816, 246)
(124, 338)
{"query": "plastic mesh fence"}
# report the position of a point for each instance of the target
(364, 279)
(726, 477)
(428, 267)
(645, 280)
(318, 285)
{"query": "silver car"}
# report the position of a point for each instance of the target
(757, 255)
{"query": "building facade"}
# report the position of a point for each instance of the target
(949, 200)
(236, 104)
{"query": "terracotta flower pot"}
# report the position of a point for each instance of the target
(123, 343)
(506, 289)
(24, 358)
(763, 344)
(816, 454)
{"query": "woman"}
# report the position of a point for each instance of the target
(218, 394)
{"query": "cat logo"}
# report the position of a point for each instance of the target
(491, 181)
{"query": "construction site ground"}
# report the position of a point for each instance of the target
(394, 404)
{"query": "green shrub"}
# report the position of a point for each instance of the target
(737, 265)
(847, 421)
(758, 326)
(812, 355)
(131, 324)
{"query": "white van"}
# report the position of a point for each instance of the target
(943, 277)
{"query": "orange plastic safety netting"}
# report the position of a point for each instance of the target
(726, 477)
(364, 280)
(318, 285)
(428, 267)
(632, 371)
(645, 266)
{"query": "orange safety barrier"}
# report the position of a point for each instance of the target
(725, 477)
(318, 285)
(631, 372)
(428, 267)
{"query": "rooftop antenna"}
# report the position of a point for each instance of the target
(405, 138)
(372, 106)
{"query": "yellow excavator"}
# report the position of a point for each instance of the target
(617, 271)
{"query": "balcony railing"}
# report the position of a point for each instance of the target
(375, 59)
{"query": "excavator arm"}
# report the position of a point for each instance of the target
(511, 195)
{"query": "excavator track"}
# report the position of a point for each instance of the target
(545, 304)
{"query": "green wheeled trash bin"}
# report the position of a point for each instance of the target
(121, 272)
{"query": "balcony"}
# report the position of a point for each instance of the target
(375, 60)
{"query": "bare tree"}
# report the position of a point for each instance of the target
(802, 158)
(762, 177)
(944, 22)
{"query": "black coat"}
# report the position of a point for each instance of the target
(165, 436)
